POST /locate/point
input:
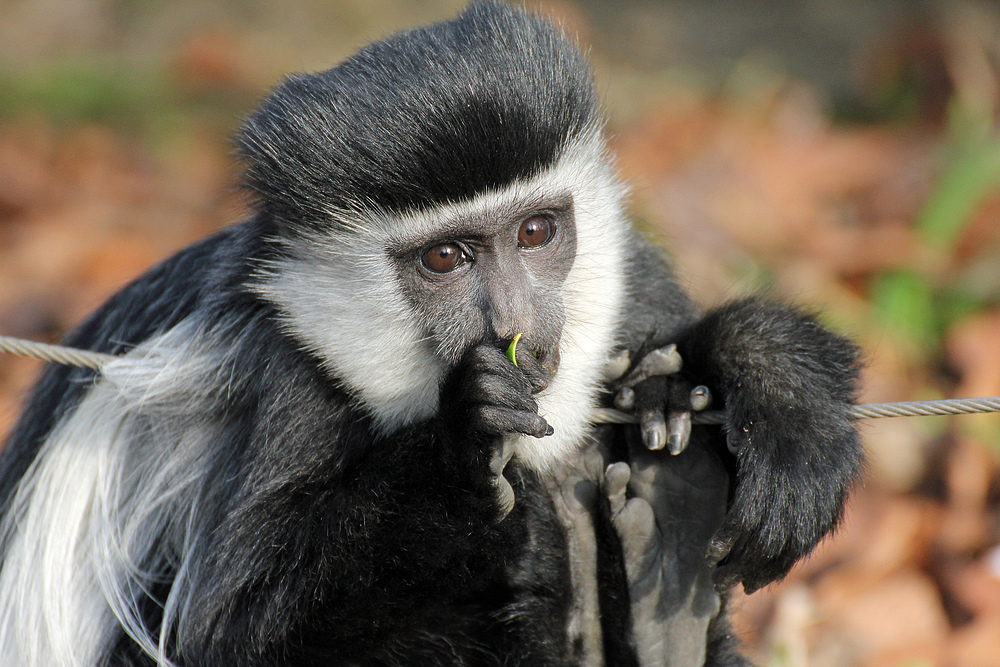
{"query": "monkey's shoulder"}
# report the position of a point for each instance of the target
(153, 303)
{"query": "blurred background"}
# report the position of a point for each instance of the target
(844, 154)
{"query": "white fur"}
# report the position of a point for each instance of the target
(114, 476)
(339, 296)
(334, 297)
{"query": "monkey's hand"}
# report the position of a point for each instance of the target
(662, 399)
(788, 387)
(488, 398)
(665, 509)
(497, 395)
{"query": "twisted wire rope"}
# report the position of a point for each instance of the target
(947, 406)
(60, 354)
(71, 356)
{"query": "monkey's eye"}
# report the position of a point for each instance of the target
(535, 232)
(444, 257)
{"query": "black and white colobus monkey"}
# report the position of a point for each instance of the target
(314, 451)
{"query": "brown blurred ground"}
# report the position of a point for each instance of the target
(847, 160)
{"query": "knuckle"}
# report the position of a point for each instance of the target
(483, 357)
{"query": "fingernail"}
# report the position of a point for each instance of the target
(700, 398)
(665, 361)
(679, 430)
(616, 366)
(653, 438)
(625, 400)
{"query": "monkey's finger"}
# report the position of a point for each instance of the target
(486, 358)
(625, 399)
(592, 464)
(725, 577)
(736, 438)
(500, 458)
(491, 389)
(538, 377)
(616, 366)
(498, 420)
(678, 432)
(664, 361)
(641, 543)
(491, 378)
(653, 427)
(616, 478)
(505, 496)
(720, 546)
(701, 398)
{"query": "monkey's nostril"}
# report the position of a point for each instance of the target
(539, 363)
(549, 360)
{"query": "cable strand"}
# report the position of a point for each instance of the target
(60, 354)
(72, 356)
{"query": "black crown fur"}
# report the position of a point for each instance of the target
(379, 130)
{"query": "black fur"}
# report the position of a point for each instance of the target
(490, 97)
(788, 386)
(322, 541)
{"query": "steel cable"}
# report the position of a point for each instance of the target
(71, 356)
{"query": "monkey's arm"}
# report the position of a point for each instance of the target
(788, 386)
(340, 542)
(656, 308)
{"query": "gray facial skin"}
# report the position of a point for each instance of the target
(499, 289)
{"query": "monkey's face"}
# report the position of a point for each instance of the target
(389, 301)
(488, 275)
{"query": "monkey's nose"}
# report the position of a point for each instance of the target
(538, 363)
